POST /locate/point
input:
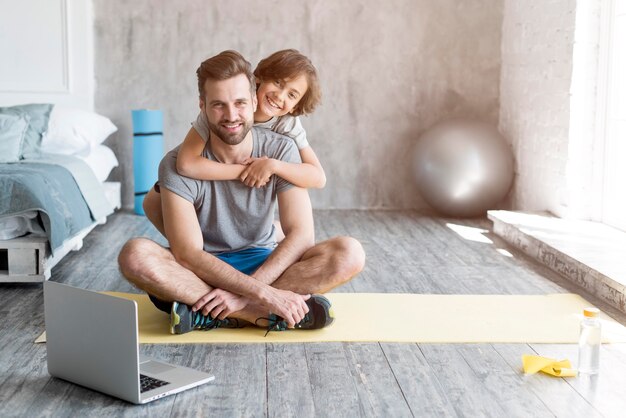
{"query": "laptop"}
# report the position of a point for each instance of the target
(92, 340)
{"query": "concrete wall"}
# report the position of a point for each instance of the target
(537, 60)
(388, 71)
(548, 104)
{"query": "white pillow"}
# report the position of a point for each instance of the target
(101, 160)
(75, 131)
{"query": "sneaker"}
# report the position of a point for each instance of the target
(183, 320)
(320, 315)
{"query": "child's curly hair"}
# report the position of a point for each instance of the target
(287, 64)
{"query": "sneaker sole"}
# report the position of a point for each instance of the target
(325, 303)
(329, 309)
(174, 318)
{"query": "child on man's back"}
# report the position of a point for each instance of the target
(287, 87)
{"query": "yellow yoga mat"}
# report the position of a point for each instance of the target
(410, 318)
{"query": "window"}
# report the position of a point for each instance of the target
(611, 121)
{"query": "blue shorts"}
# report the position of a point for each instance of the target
(246, 261)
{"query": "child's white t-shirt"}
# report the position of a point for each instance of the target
(285, 125)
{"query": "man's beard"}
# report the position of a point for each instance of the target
(231, 138)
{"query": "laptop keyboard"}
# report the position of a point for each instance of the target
(149, 383)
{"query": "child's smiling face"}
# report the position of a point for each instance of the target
(279, 97)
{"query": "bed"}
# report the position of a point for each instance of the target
(53, 188)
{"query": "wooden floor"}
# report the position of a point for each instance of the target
(406, 253)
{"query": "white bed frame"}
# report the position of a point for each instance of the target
(27, 259)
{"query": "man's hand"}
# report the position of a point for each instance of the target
(219, 303)
(258, 171)
(288, 305)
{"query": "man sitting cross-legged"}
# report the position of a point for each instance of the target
(223, 268)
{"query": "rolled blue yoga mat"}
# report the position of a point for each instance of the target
(147, 152)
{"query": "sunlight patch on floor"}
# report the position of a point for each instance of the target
(470, 233)
(504, 252)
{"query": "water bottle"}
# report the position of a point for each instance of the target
(589, 342)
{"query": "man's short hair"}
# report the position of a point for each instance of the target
(287, 64)
(225, 65)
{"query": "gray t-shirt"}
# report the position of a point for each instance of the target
(285, 125)
(233, 216)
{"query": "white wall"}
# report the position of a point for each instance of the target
(47, 52)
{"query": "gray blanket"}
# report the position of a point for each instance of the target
(90, 187)
(68, 196)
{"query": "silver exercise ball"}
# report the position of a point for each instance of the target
(462, 167)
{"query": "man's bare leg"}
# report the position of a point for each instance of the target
(154, 270)
(323, 267)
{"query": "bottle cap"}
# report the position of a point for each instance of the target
(591, 312)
